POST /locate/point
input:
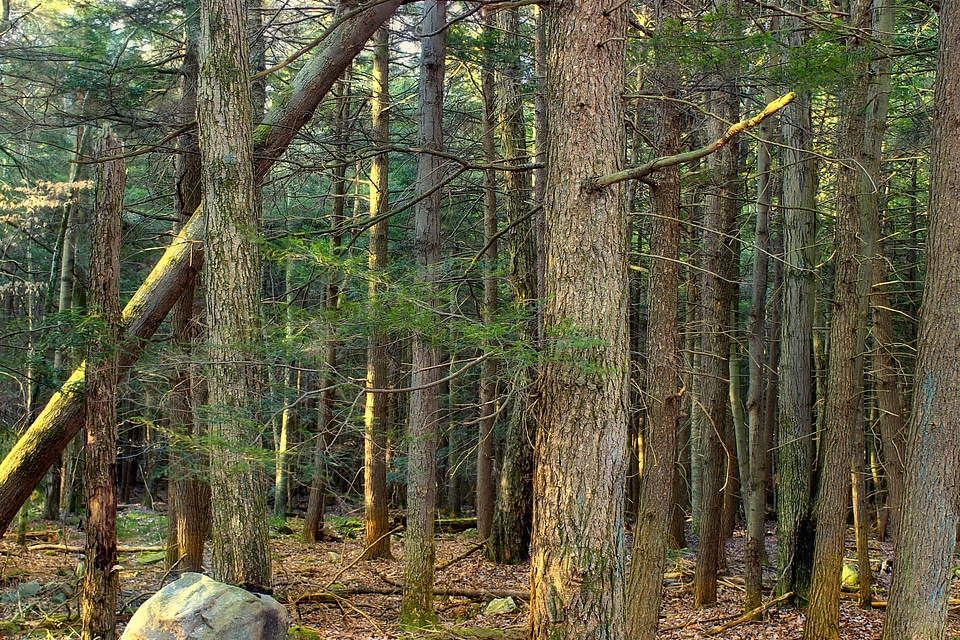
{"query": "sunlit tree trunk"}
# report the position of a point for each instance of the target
(376, 415)
(577, 572)
(424, 415)
(100, 579)
(923, 558)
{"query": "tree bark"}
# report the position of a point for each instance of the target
(655, 506)
(62, 417)
(488, 373)
(416, 609)
(577, 573)
(510, 535)
(842, 413)
(794, 434)
(377, 543)
(188, 502)
(100, 580)
(928, 522)
(241, 544)
(719, 218)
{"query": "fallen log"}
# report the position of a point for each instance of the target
(335, 595)
(43, 443)
(78, 549)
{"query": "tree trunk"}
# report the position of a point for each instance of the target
(719, 218)
(419, 552)
(188, 502)
(62, 418)
(376, 422)
(928, 522)
(100, 580)
(655, 506)
(488, 374)
(758, 464)
(794, 434)
(577, 568)
(510, 535)
(842, 413)
(241, 544)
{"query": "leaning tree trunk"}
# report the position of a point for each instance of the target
(375, 418)
(655, 506)
(923, 558)
(419, 552)
(62, 418)
(577, 573)
(101, 580)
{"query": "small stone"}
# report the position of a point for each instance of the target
(500, 605)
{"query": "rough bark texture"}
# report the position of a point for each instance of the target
(923, 556)
(62, 417)
(188, 517)
(241, 544)
(375, 496)
(577, 572)
(424, 417)
(795, 455)
(510, 535)
(654, 508)
(845, 364)
(100, 581)
(720, 211)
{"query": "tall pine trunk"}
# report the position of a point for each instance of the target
(419, 551)
(577, 572)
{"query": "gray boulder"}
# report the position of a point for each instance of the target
(198, 608)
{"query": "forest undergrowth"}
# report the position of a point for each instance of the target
(331, 595)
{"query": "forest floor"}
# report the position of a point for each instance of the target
(38, 587)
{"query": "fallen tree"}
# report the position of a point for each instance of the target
(62, 418)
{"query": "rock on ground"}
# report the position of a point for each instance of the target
(196, 607)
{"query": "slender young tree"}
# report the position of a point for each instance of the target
(241, 545)
(375, 417)
(100, 580)
(488, 374)
(419, 551)
(923, 557)
(577, 572)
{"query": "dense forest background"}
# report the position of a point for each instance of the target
(432, 329)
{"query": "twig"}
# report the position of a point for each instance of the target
(748, 616)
